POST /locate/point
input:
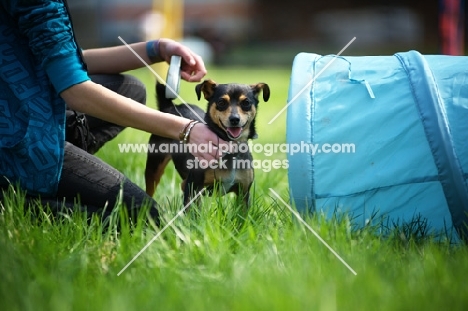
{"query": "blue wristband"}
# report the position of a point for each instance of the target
(152, 50)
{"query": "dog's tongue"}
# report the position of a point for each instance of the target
(234, 131)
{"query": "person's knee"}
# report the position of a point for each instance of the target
(134, 88)
(123, 84)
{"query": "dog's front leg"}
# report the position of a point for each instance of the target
(192, 186)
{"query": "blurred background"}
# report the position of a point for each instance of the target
(272, 32)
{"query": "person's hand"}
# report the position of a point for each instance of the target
(209, 145)
(192, 68)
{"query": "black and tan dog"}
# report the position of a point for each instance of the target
(230, 113)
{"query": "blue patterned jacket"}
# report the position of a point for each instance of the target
(38, 60)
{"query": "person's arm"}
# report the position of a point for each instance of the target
(53, 47)
(98, 101)
(116, 59)
(120, 58)
(56, 51)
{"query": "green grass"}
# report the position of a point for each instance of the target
(214, 259)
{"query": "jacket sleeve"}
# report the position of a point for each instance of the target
(47, 26)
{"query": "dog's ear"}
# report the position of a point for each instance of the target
(256, 88)
(207, 87)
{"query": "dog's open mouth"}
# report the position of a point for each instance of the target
(234, 132)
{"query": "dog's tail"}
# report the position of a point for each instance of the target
(163, 103)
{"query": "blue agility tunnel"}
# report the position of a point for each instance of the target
(381, 138)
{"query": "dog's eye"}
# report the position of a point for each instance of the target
(222, 104)
(245, 104)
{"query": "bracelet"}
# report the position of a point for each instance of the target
(182, 134)
(152, 50)
(185, 134)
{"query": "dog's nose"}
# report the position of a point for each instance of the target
(234, 120)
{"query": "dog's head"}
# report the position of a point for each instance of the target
(232, 108)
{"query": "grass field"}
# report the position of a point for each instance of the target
(212, 258)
